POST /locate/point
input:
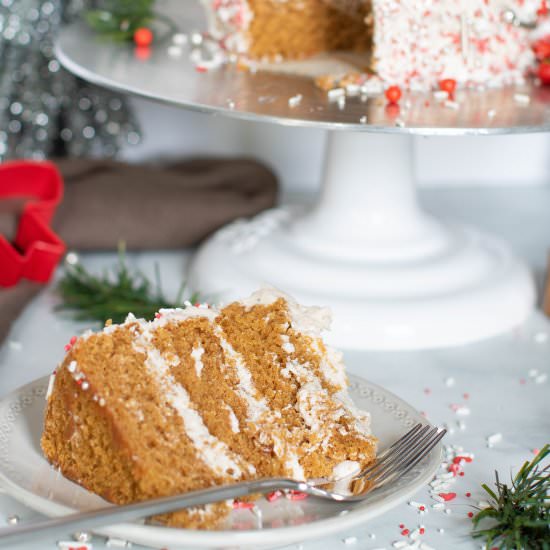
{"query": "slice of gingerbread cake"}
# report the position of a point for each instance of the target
(200, 397)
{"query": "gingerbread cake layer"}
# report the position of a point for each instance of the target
(200, 397)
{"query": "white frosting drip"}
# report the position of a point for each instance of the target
(332, 366)
(233, 420)
(215, 454)
(51, 383)
(197, 354)
(342, 473)
(257, 408)
(361, 418)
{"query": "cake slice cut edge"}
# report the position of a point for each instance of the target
(201, 397)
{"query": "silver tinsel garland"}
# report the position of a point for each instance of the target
(45, 111)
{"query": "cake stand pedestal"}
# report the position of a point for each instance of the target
(394, 276)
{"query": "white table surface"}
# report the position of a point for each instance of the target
(497, 374)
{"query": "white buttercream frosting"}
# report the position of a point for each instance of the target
(310, 320)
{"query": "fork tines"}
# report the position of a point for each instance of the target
(400, 458)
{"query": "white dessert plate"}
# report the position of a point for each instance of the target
(27, 476)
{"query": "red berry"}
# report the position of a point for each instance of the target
(470, 514)
(448, 85)
(143, 37)
(393, 94)
(544, 72)
(542, 48)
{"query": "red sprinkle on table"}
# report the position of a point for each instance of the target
(470, 514)
(447, 496)
(468, 494)
(405, 532)
(422, 530)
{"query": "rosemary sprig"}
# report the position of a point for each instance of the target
(114, 294)
(520, 514)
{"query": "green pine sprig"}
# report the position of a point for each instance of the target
(519, 514)
(118, 20)
(114, 294)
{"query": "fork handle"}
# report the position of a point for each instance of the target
(110, 515)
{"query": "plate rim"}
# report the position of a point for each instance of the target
(208, 539)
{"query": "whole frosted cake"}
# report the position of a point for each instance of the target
(199, 397)
(414, 43)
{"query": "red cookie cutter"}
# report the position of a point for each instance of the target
(36, 250)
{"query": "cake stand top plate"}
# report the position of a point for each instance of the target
(264, 95)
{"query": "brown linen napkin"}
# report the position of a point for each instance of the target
(147, 207)
(152, 207)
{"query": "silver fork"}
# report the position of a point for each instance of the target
(392, 463)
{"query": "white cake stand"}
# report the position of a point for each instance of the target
(394, 276)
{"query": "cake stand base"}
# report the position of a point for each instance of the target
(394, 276)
